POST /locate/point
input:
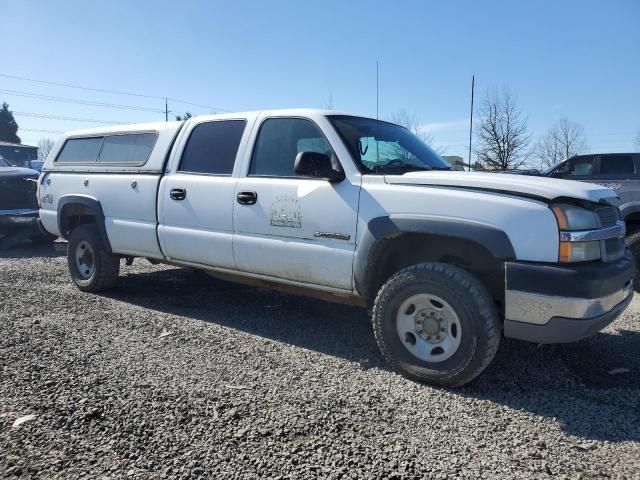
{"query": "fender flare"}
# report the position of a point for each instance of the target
(94, 207)
(629, 208)
(381, 229)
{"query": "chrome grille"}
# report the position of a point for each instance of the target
(17, 192)
(608, 215)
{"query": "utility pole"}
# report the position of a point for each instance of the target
(166, 110)
(473, 81)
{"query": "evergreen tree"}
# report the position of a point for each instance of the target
(8, 125)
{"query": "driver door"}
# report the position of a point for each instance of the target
(290, 227)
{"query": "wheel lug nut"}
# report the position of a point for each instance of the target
(443, 329)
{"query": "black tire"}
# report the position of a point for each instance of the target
(474, 307)
(105, 266)
(633, 242)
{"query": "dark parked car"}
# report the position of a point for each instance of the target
(18, 201)
(619, 172)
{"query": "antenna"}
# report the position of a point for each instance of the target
(473, 81)
(377, 107)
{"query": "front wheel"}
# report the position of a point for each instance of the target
(436, 323)
(91, 266)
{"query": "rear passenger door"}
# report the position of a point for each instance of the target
(619, 172)
(196, 197)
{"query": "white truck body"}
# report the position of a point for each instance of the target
(316, 234)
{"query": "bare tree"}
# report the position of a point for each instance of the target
(638, 140)
(412, 123)
(186, 116)
(564, 140)
(502, 132)
(44, 147)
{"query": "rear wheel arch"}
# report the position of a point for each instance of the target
(75, 210)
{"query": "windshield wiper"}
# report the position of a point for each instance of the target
(399, 168)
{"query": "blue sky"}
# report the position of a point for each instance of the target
(579, 59)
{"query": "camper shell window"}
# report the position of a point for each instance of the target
(125, 148)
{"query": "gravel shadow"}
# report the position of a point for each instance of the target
(332, 329)
(571, 383)
(30, 249)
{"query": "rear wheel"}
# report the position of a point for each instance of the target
(436, 323)
(91, 266)
(633, 242)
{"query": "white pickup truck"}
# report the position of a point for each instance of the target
(349, 209)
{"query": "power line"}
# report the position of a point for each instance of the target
(78, 101)
(115, 92)
(38, 130)
(71, 119)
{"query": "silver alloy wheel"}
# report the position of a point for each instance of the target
(428, 327)
(85, 260)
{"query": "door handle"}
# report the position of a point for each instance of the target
(247, 198)
(178, 193)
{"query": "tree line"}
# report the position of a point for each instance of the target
(502, 141)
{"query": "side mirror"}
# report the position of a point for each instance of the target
(561, 170)
(317, 165)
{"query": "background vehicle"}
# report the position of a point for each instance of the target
(35, 165)
(18, 202)
(350, 209)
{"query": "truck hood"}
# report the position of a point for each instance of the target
(541, 187)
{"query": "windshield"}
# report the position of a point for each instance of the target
(382, 147)
(548, 170)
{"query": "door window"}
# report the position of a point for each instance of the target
(279, 142)
(616, 164)
(581, 166)
(212, 147)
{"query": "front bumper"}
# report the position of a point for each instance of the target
(554, 303)
(12, 219)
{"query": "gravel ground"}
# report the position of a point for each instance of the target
(177, 375)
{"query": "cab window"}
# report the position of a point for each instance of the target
(279, 142)
(616, 164)
(212, 148)
(581, 166)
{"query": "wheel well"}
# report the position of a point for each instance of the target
(633, 222)
(75, 214)
(392, 255)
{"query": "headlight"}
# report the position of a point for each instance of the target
(570, 217)
(573, 218)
